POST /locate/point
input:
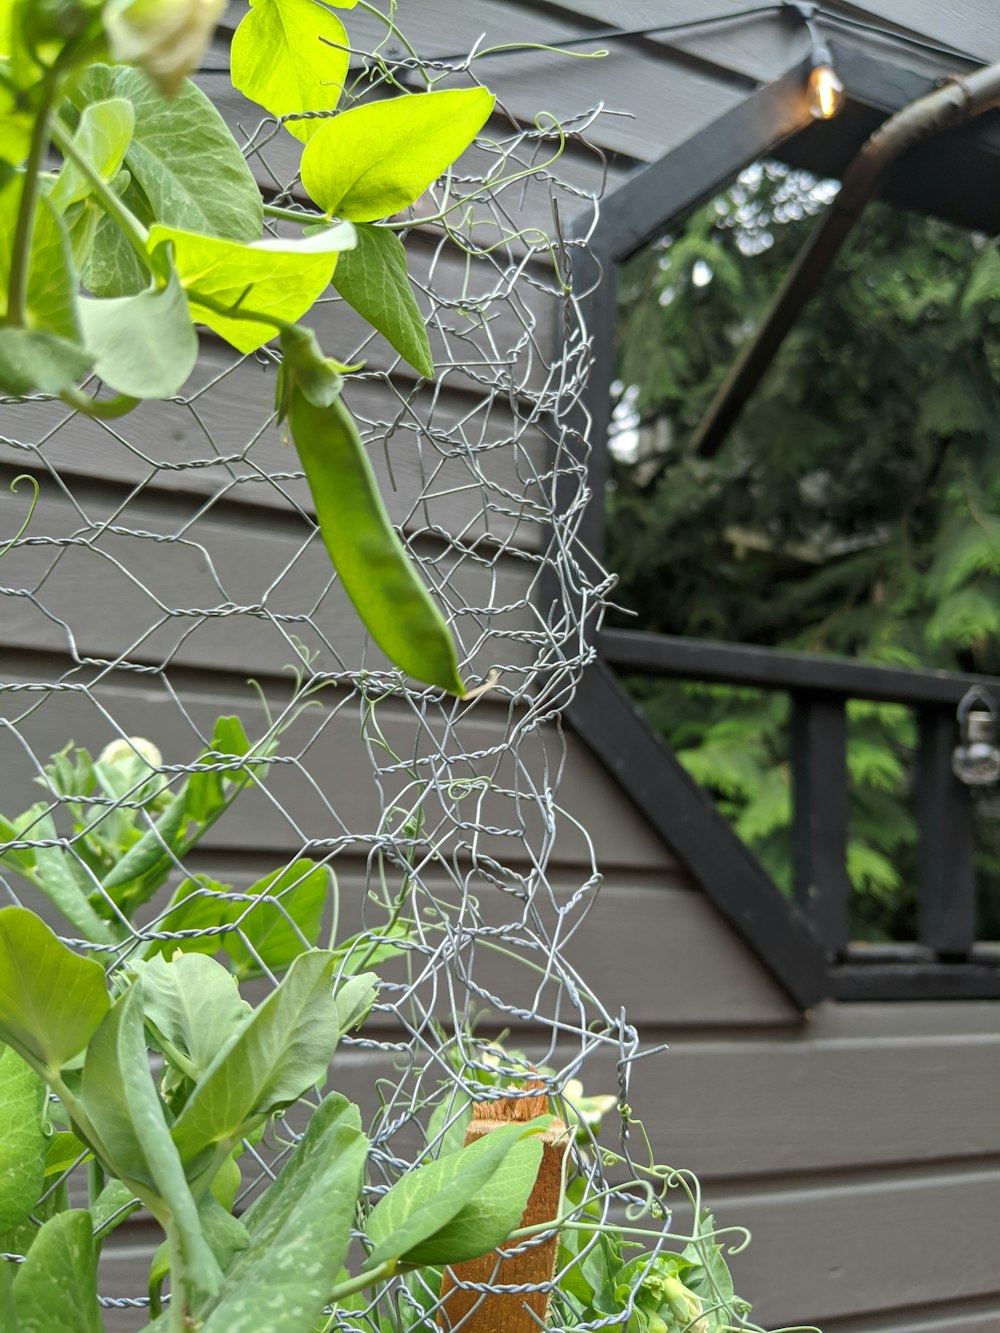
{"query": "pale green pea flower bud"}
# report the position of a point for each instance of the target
(165, 38)
(115, 752)
(684, 1305)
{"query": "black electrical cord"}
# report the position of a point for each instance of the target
(936, 48)
(616, 34)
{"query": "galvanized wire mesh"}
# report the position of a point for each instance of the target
(173, 556)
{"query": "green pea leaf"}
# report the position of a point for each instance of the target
(290, 55)
(355, 998)
(50, 296)
(490, 1215)
(190, 170)
(143, 345)
(33, 361)
(82, 221)
(114, 1205)
(277, 277)
(102, 137)
(207, 789)
(299, 1230)
(378, 158)
(194, 1007)
(404, 1223)
(126, 1114)
(22, 1238)
(278, 929)
(194, 906)
(24, 1144)
(20, 858)
(62, 877)
(110, 266)
(15, 118)
(56, 1286)
(378, 576)
(64, 1150)
(51, 1000)
(373, 279)
(8, 1315)
(280, 1052)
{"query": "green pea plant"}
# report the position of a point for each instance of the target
(128, 216)
(133, 823)
(76, 1062)
(636, 1272)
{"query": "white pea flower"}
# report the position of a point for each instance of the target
(166, 38)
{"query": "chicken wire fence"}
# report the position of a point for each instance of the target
(172, 575)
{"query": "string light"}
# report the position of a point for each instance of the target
(824, 90)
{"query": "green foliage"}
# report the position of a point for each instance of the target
(228, 1069)
(439, 1215)
(181, 155)
(373, 279)
(52, 1000)
(291, 56)
(23, 1141)
(377, 159)
(121, 855)
(56, 1286)
(281, 279)
(299, 1230)
(663, 1291)
(143, 345)
(854, 509)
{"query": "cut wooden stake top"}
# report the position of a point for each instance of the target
(507, 1312)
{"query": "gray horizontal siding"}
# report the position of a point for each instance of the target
(334, 774)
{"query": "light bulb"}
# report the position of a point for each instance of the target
(976, 760)
(825, 92)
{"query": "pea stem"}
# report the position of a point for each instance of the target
(352, 1284)
(20, 264)
(105, 409)
(293, 215)
(131, 228)
(239, 312)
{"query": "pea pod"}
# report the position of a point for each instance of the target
(378, 576)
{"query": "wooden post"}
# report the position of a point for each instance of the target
(506, 1312)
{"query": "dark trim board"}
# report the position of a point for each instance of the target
(685, 817)
(915, 981)
(746, 664)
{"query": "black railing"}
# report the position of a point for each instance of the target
(945, 960)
